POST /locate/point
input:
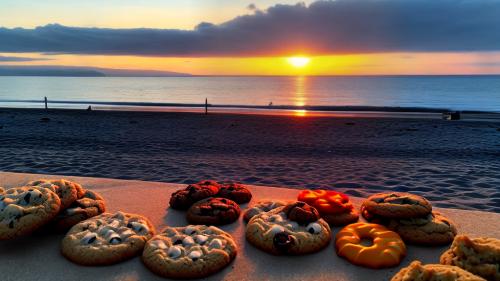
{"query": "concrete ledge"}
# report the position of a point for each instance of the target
(38, 258)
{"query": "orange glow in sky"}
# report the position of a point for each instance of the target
(355, 64)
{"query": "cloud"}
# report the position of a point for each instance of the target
(19, 59)
(323, 27)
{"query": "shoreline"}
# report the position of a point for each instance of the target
(330, 111)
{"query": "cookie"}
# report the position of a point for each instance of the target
(213, 211)
(107, 239)
(431, 230)
(194, 251)
(67, 191)
(89, 205)
(236, 192)
(480, 256)
(183, 199)
(294, 229)
(334, 207)
(397, 205)
(369, 217)
(2, 190)
(416, 271)
(25, 209)
(261, 207)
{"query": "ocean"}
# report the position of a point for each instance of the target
(477, 93)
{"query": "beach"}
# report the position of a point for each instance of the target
(41, 258)
(452, 163)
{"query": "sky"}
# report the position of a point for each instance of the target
(228, 37)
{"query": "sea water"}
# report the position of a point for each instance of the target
(480, 93)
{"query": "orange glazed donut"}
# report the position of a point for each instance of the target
(387, 249)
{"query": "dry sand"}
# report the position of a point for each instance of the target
(454, 164)
(38, 258)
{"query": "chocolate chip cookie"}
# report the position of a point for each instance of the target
(194, 251)
(262, 207)
(67, 191)
(107, 239)
(183, 199)
(25, 209)
(480, 256)
(416, 271)
(431, 230)
(213, 211)
(89, 205)
(236, 192)
(294, 229)
(397, 205)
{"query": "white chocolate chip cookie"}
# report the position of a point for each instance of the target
(67, 191)
(285, 231)
(261, 207)
(25, 209)
(194, 251)
(107, 239)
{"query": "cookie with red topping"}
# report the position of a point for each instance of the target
(184, 198)
(213, 211)
(235, 191)
(334, 207)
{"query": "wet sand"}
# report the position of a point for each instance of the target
(453, 164)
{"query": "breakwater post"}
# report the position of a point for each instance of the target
(46, 106)
(206, 106)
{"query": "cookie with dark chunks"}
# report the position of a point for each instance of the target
(67, 191)
(236, 192)
(25, 209)
(397, 205)
(295, 229)
(194, 251)
(213, 211)
(262, 207)
(88, 206)
(416, 271)
(480, 256)
(184, 198)
(107, 239)
(431, 230)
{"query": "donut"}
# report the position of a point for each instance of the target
(387, 249)
(334, 207)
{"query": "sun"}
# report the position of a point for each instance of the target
(298, 62)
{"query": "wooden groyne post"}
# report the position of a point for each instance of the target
(46, 106)
(206, 106)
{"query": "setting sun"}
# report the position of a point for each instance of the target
(298, 61)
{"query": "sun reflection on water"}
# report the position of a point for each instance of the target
(300, 95)
(300, 112)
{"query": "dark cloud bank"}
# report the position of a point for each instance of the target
(19, 59)
(324, 27)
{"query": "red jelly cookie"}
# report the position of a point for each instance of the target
(334, 207)
(183, 199)
(235, 191)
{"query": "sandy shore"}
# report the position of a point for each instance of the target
(39, 258)
(454, 164)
